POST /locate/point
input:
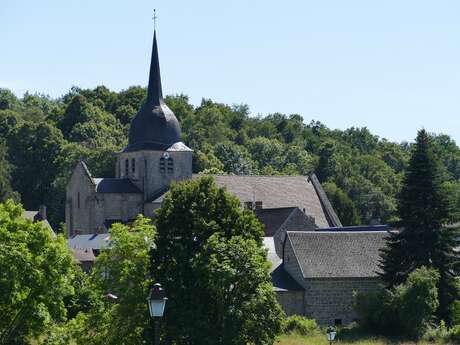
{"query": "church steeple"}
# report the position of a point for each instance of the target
(154, 92)
(155, 127)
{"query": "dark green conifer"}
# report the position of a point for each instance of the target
(423, 238)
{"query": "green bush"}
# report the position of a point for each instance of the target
(300, 325)
(406, 310)
(454, 334)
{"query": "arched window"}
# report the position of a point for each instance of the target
(170, 165)
(126, 167)
(133, 165)
(162, 165)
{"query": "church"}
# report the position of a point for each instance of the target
(154, 157)
(316, 263)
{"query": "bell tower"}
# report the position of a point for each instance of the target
(155, 155)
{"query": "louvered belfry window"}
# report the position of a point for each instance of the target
(170, 165)
(166, 165)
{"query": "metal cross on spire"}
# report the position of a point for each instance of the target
(154, 19)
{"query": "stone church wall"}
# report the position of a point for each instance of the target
(291, 302)
(327, 300)
(146, 173)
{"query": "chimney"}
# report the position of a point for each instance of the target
(42, 212)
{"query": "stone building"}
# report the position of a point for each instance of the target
(328, 267)
(154, 157)
(316, 264)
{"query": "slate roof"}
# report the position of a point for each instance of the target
(93, 241)
(115, 185)
(34, 216)
(382, 227)
(277, 192)
(332, 254)
(155, 127)
(83, 255)
(281, 280)
(273, 218)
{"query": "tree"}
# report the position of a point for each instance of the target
(210, 260)
(34, 149)
(406, 309)
(6, 191)
(123, 270)
(423, 239)
(35, 275)
(343, 205)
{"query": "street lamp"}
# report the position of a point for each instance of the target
(157, 301)
(331, 334)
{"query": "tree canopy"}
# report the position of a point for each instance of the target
(44, 139)
(210, 259)
(423, 238)
(35, 275)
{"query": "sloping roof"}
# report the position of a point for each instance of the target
(381, 227)
(115, 185)
(332, 254)
(34, 216)
(331, 216)
(93, 241)
(281, 280)
(272, 257)
(83, 255)
(277, 192)
(273, 218)
(155, 127)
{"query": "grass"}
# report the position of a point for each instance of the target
(345, 336)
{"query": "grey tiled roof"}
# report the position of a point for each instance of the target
(115, 185)
(93, 241)
(281, 280)
(83, 255)
(276, 192)
(273, 218)
(34, 216)
(272, 257)
(333, 254)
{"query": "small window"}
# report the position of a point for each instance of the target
(78, 200)
(337, 322)
(162, 165)
(248, 205)
(258, 205)
(126, 167)
(170, 165)
(133, 165)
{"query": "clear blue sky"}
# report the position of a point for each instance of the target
(393, 66)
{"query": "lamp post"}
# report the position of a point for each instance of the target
(331, 334)
(157, 301)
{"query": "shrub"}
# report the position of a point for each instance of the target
(417, 300)
(300, 325)
(454, 334)
(376, 311)
(406, 310)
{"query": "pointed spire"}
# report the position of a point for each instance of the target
(154, 92)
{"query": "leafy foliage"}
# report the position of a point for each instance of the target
(301, 325)
(123, 270)
(408, 309)
(35, 275)
(423, 240)
(93, 124)
(210, 260)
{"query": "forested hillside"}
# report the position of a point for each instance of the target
(41, 140)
